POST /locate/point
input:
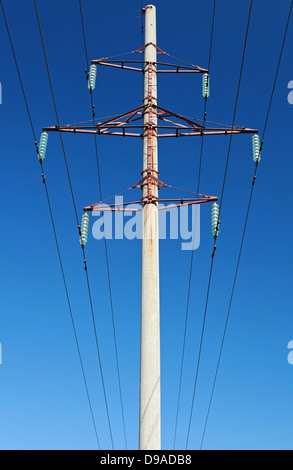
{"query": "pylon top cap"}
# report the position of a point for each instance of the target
(149, 6)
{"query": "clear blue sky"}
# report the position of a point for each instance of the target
(43, 403)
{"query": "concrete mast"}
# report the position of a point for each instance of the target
(150, 380)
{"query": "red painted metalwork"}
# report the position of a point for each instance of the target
(125, 65)
(151, 133)
(130, 124)
(100, 207)
(133, 124)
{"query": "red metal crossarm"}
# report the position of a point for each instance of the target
(139, 65)
(128, 125)
(127, 206)
(126, 65)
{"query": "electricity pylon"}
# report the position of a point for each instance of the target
(150, 122)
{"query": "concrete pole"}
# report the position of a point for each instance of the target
(150, 386)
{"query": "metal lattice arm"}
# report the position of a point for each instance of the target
(168, 124)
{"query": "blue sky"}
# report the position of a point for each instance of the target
(43, 402)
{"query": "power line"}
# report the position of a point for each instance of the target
(230, 304)
(105, 242)
(69, 305)
(200, 350)
(206, 99)
(245, 224)
(56, 113)
(75, 210)
(236, 103)
(53, 227)
(277, 72)
(221, 201)
(18, 73)
(192, 252)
